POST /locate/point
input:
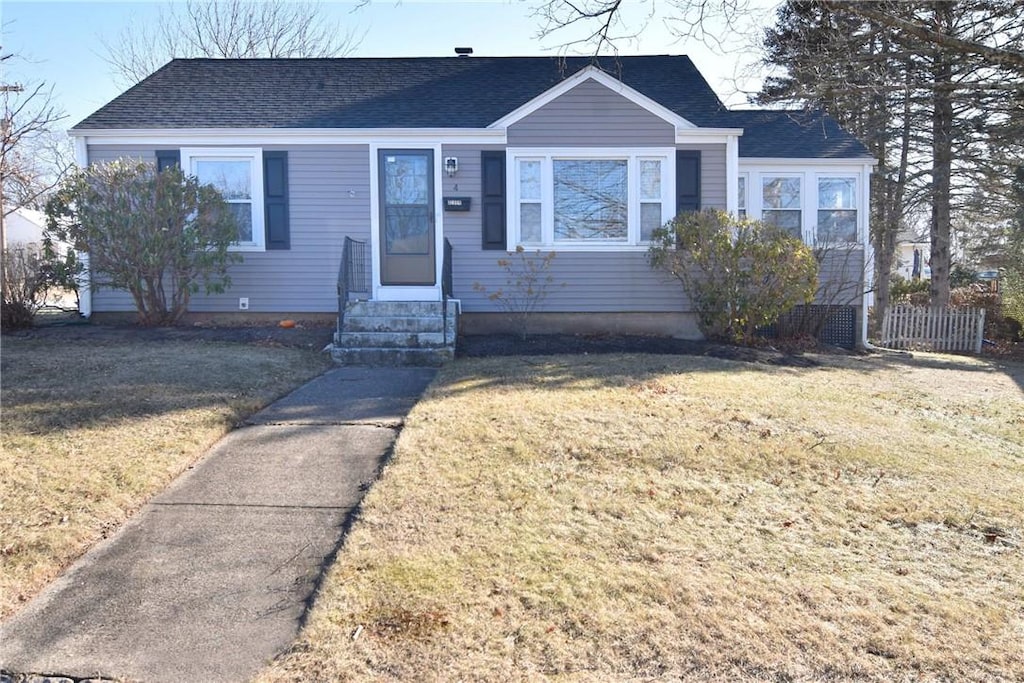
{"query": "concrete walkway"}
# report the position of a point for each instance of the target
(212, 578)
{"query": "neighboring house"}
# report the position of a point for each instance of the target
(24, 227)
(484, 154)
(913, 256)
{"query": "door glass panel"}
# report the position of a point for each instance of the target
(407, 204)
(407, 230)
(406, 180)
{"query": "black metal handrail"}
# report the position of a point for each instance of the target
(353, 275)
(446, 284)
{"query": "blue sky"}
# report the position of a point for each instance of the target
(60, 42)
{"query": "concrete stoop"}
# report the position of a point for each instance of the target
(396, 333)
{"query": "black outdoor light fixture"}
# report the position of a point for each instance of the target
(451, 166)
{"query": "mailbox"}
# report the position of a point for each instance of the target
(456, 203)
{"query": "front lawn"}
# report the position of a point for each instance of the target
(652, 517)
(96, 421)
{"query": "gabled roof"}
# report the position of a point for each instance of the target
(429, 92)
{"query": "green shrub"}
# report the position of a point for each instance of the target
(738, 274)
(962, 276)
(902, 290)
(160, 236)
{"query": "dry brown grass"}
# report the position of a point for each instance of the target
(92, 429)
(641, 518)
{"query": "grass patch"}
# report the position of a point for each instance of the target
(92, 429)
(641, 517)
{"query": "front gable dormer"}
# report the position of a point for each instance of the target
(592, 108)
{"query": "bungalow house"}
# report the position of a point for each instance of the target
(411, 178)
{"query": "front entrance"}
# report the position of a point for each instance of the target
(407, 248)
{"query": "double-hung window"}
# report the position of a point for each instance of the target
(238, 174)
(837, 210)
(780, 203)
(590, 198)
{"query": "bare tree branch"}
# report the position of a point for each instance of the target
(27, 145)
(231, 29)
(995, 55)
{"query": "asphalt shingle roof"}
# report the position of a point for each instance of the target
(432, 92)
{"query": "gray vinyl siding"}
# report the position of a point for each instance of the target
(841, 277)
(712, 174)
(329, 198)
(593, 281)
(591, 115)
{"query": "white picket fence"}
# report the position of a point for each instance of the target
(933, 329)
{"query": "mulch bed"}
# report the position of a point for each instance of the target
(305, 335)
(317, 335)
(577, 344)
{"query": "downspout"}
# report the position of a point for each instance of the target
(85, 277)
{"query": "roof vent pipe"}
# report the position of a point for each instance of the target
(463, 51)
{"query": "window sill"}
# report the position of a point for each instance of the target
(247, 248)
(576, 247)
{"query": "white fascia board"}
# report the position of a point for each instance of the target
(610, 82)
(853, 162)
(289, 136)
(706, 135)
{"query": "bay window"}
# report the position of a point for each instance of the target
(238, 174)
(590, 198)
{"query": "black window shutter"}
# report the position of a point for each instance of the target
(687, 181)
(493, 199)
(275, 199)
(166, 158)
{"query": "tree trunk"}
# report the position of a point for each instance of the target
(942, 161)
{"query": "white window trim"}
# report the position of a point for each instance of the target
(632, 156)
(254, 155)
(755, 170)
(743, 198)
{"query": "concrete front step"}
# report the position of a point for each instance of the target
(397, 308)
(394, 323)
(425, 357)
(392, 340)
(396, 333)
